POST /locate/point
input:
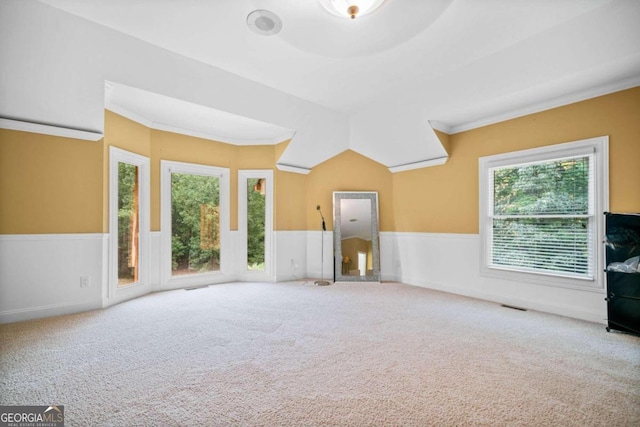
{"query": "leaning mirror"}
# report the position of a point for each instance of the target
(355, 236)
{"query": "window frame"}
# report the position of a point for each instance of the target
(599, 148)
(114, 292)
(169, 281)
(268, 272)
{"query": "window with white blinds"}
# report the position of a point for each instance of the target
(541, 210)
(542, 216)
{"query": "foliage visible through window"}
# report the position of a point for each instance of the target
(195, 223)
(256, 216)
(128, 223)
(542, 216)
(209, 227)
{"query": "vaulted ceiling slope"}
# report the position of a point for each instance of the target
(377, 84)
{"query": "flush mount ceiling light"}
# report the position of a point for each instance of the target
(264, 22)
(351, 8)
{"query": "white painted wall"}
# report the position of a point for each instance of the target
(414, 140)
(451, 263)
(40, 274)
(155, 252)
(290, 255)
(389, 262)
(57, 64)
(319, 264)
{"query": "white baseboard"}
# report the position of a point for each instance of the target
(390, 278)
(40, 275)
(451, 263)
(20, 315)
(194, 280)
(543, 306)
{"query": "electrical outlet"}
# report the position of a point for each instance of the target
(85, 281)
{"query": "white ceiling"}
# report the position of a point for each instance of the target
(453, 64)
(355, 218)
(162, 112)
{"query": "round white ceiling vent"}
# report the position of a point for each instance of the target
(264, 22)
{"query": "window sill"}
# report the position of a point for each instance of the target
(595, 285)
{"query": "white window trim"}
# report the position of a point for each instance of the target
(117, 293)
(174, 282)
(268, 272)
(599, 147)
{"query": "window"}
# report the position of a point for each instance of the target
(195, 221)
(541, 213)
(128, 223)
(255, 224)
(256, 192)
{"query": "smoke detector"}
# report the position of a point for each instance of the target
(264, 22)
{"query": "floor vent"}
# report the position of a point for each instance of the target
(193, 288)
(514, 308)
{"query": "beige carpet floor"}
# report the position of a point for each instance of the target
(293, 354)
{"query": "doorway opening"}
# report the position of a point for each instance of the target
(362, 263)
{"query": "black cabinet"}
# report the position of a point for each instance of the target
(623, 271)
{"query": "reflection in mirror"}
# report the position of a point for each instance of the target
(356, 247)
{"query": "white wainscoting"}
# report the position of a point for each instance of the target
(315, 242)
(290, 255)
(389, 262)
(451, 263)
(40, 274)
(155, 253)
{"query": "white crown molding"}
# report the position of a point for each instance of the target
(441, 126)
(52, 130)
(197, 134)
(294, 169)
(542, 106)
(222, 138)
(115, 108)
(418, 165)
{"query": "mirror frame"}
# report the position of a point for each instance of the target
(338, 196)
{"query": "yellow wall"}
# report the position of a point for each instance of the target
(49, 184)
(351, 247)
(127, 135)
(59, 185)
(160, 145)
(183, 148)
(444, 199)
(289, 188)
(348, 171)
(290, 201)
